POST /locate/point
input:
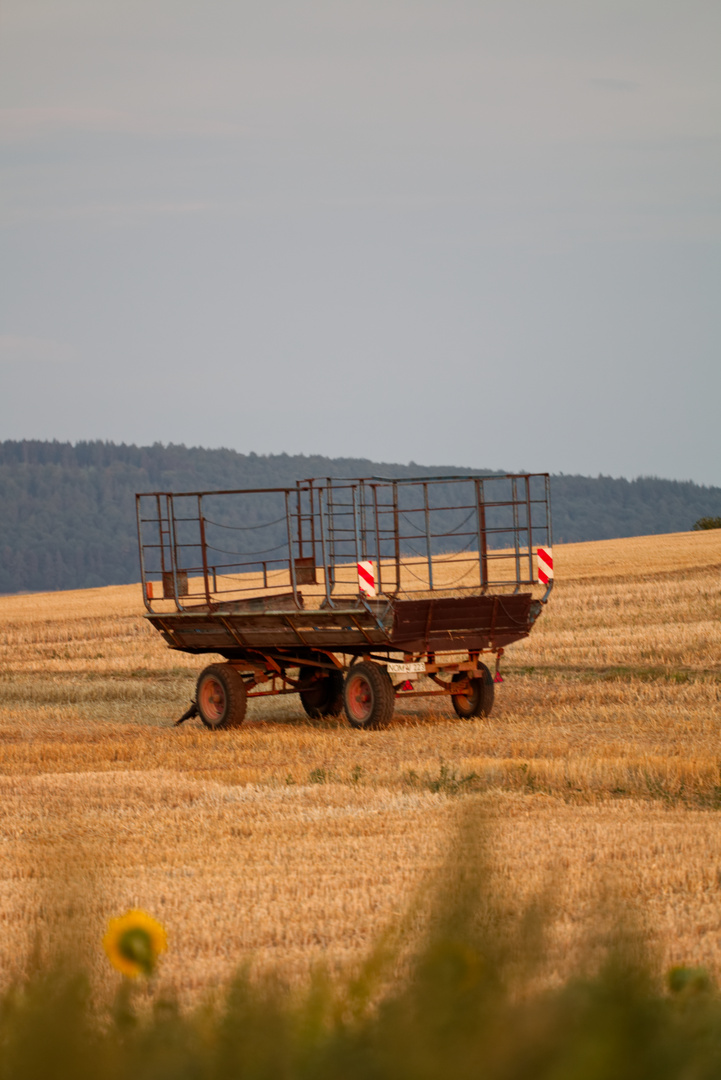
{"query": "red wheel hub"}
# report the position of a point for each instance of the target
(212, 699)
(360, 698)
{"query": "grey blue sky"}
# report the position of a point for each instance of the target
(466, 233)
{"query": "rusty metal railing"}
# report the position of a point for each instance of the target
(459, 534)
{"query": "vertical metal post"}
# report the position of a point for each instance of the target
(173, 547)
(428, 536)
(358, 556)
(141, 552)
(291, 560)
(549, 538)
(203, 551)
(530, 528)
(482, 537)
(311, 491)
(171, 513)
(362, 514)
(514, 499)
(326, 568)
(160, 534)
(300, 522)
(396, 530)
(331, 532)
(374, 489)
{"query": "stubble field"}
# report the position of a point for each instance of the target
(290, 842)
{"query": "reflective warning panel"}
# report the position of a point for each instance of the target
(545, 565)
(367, 578)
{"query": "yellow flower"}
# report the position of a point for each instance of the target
(133, 943)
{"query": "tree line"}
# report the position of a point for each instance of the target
(67, 511)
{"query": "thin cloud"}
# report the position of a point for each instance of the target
(34, 350)
(33, 123)
(21, 123)
(618, 86)
(112, 214)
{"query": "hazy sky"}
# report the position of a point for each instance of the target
(466, 233)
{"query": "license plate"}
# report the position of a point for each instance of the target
(406, 669)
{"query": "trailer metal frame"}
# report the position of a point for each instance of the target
(297, 599)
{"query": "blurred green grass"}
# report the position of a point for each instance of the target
(472, 1007)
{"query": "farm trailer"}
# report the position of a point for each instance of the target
(351, 593)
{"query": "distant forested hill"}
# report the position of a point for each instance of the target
(67, 513)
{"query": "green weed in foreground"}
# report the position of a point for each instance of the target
(467, 1010)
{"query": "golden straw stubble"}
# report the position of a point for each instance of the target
(290, 841)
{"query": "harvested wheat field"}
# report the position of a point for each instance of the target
(290, 842)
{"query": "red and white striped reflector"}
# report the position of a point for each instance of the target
(367, 578)
(545, 565)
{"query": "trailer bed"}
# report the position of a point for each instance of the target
(480, 623)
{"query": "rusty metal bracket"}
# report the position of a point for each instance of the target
(296, 631)
(362, 629)
(235, 634)
(429, 620)
(439, 682)
(188, 714)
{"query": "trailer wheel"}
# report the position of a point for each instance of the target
(368, 696)
(476, 701)
(221, 696)
(325, 696)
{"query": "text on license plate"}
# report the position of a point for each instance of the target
(406, 669)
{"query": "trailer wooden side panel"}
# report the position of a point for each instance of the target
(432, 625)
(473, 622)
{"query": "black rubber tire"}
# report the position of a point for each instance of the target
(221, 697)
(480, 700)
(325, 698)
(368, 696)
